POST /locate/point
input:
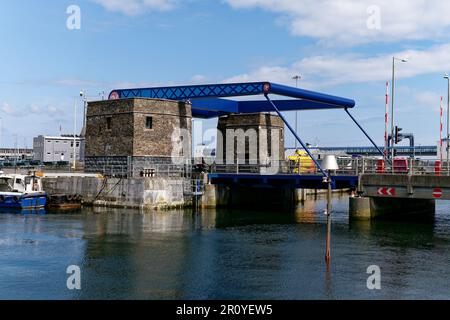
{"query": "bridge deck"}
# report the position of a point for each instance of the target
(283, 181)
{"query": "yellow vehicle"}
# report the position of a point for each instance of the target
(302, 162)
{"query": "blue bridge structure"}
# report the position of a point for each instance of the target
(213, 100)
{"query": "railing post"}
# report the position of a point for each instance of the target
(363, 166)
(411, 167)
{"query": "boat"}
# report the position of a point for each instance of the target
(22, 192)
(64, 202)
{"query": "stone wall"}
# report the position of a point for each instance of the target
(128, 135)
(144, 193)
(264, 134)
(118, 139)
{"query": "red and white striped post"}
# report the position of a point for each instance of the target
(386, 123)
(441, 144)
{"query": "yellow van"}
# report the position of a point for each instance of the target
(302, 162)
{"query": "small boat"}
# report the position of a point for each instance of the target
(22, 192)
(64, 202)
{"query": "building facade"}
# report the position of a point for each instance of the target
(54, 149)
(134, 137)
(16, 154)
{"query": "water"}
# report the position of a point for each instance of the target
(224, 254)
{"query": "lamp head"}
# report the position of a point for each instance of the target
(401, 59)
(330, 163)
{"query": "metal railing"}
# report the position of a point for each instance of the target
(153, 171)
(347, 167)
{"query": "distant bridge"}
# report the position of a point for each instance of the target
(420, 151)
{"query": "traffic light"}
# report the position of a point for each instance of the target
(398, 136)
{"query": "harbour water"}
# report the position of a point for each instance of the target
(222, 254)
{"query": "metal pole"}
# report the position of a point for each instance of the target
(392, 111)
(441, 127)
(296, 136)
(329, 208)
(448, 125)
(296, 78)
(74, 135)
(84, 115)
(365, 133)
(386, 123)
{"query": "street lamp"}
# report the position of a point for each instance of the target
(296, 78)
(83, 95)
(75, 134)
(392, 106)
(448, 119)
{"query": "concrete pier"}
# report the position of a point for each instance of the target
(143, 193)
(237, 196)
(365, 208)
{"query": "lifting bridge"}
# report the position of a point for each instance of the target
(209, 101)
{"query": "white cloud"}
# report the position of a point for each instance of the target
(345, 21)
(9, 110)
(428, 100)
(329, 70)
(77, 83)
(35, 109)
(134, 7)
(25, 111)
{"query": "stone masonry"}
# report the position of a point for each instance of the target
(137, 132)
(253, 138)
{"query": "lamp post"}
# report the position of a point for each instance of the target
(75, 134)
(448, 121)
(392, 106)
(296, 78)
(83, 95)
(329, 164)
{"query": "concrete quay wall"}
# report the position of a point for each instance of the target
(370, 208)
(144, 193)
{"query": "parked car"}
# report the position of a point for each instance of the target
(35, 163)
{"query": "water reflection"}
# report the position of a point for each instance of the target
(222, 254)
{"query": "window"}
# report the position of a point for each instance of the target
(149, 123)
(108, 123)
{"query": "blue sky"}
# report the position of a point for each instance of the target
(133, 43)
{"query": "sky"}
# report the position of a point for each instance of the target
(342, 47)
